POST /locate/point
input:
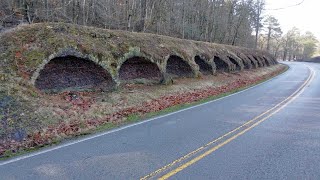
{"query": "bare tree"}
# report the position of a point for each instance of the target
(273, 29)
(258, 9)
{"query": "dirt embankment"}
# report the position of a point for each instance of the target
(70, 114)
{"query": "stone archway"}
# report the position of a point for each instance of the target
(260, 63)
(221, 66)
(267, 61)
(204, 66)
(136, 68)
(254, 62)
(177, 67)
(238, 67)
(248, 64)
(71, 73)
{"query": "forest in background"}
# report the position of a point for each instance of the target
(233, 22)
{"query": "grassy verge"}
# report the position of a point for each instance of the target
(133, 118)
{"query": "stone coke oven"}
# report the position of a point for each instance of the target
(248, 64)
(253, 62)
(71, 73)
(221, 66)
(260, 63)
(266, 60)
(139, 68)
(177, 67)
(238, 67)
(204, 66)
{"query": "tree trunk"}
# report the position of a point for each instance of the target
(269, 37)
(143, 15)
(27, 12)
(47, 10)
(183, 19)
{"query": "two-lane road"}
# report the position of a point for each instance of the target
(270, 131)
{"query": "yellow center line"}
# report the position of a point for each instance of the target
(227, 134)
(198, 158)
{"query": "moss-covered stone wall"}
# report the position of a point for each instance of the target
(26, 50)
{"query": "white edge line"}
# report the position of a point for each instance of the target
(131, 125)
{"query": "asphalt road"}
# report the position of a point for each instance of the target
(280, 139)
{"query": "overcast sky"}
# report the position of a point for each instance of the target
(305, 16)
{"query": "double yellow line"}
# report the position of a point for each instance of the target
(236, 133)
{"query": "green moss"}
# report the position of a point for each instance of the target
(133, 51)
(104, 127)
(73, 30)
(53, 42)
(133, 118)
(34, 58)
(33, 94)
